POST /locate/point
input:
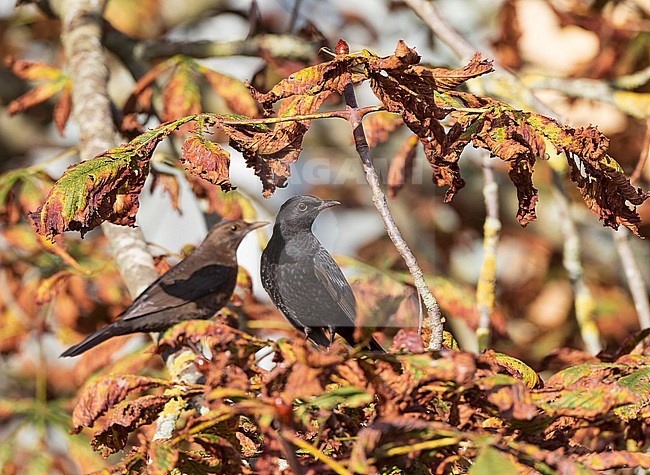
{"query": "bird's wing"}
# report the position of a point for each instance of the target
(175, 289)
(330, 275)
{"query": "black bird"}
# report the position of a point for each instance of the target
(194, 289)
(303, 280)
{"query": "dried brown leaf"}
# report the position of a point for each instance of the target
(124, 419)
(379, 126)
(62, 109)
(207, 160)
(168, 183)
(50, 287)
(103, 393)
(233, 92)
(401, 167)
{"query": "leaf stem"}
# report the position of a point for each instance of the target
(340, 114)
(435, 321)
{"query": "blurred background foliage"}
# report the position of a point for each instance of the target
(588, 60)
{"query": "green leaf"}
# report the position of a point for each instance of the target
(491, 461)
(528, 375)
(348, 395)
(163, 457)
(639, 383)
(105, 188)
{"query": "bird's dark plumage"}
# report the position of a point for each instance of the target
(302, 278)
(194, 289)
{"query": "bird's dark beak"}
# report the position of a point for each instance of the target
(254, 225)
(328, 204)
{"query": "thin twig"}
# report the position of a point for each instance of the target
(635, 281)
(583, 300)
(295, 14)
(486, 288)
(276, 46)
(643, 158)
(634, 277)
(435, 321)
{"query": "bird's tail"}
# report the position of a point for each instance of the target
(374, 346)
(90, 342)
(348, 334)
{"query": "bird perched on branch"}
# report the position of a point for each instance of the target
(194, 289)
(303, 280)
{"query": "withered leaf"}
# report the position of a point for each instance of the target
(34, 96)
(32, 70)
(105, 392)
(207, 160)
(140, 98)
(62, 109)
(181, 95)
(513, 366)
(270, 152)
(330, 76)
(510, 396)
(105, 188)
(124, 419)
(379, 126)
(401, 167)
(163, 455)
(411, 90)
(50, 287)
(52, 81)
(168, 183)
(233, 92)
(608, 460)
(586, 402)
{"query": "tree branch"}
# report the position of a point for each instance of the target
(486, 287)
(435, 321)
(92, 110)
(88, 71)
(134, 52)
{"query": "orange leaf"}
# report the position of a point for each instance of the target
(181, 96)
(207, 160)
(50, 287)
(401, 168)
(379, 126)
(170, 185)
(233, 92)
(105, 392)
(62, 109)
(33, 70)
(34, 96)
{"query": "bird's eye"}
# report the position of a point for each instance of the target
(234, 227)
(302, 207)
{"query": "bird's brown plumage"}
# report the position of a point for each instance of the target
(196, 288)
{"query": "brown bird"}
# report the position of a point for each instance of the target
(194, 289)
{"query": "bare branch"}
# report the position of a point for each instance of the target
(633, 276)
(486, 288)
(91, 107)
(435, 320)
